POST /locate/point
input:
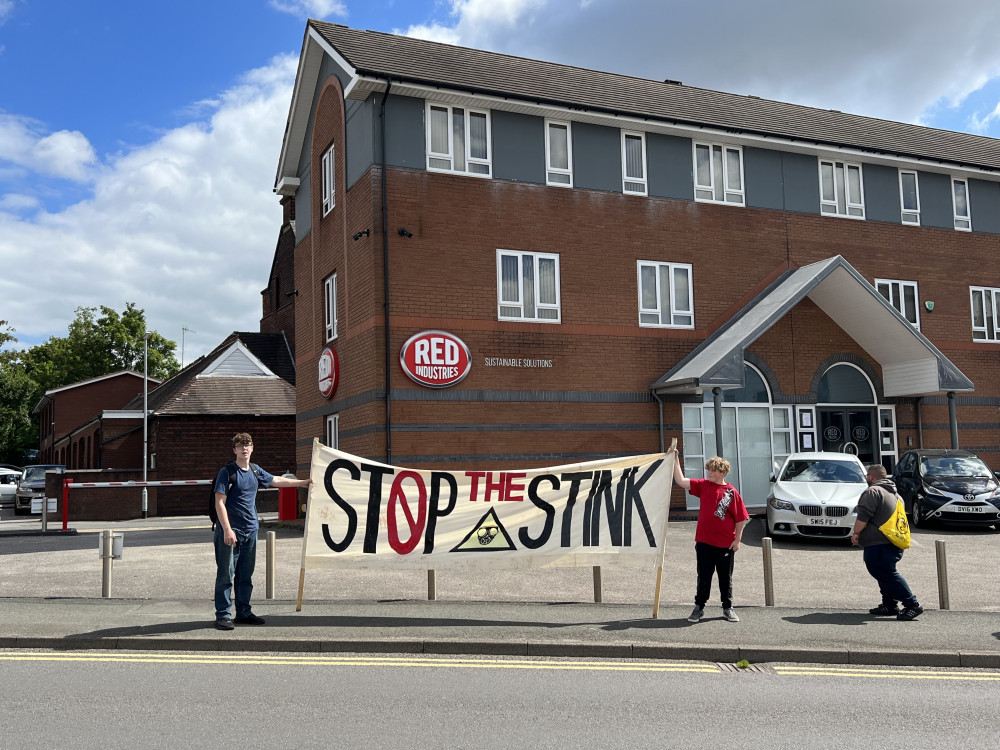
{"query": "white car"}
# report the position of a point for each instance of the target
(8, 486)
(815, 494)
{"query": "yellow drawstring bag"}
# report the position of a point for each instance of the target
(897, 528)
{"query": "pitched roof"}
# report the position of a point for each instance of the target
(405, 59)
(227, 381)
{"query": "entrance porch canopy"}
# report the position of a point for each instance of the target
(911, 364)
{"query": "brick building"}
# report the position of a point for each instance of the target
(615, 261)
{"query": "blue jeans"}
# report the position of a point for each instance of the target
(881, 559)
(234, 567)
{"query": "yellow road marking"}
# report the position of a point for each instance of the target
(898, 674)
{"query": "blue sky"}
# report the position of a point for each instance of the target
(139, 140)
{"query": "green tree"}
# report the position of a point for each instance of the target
(17, 398)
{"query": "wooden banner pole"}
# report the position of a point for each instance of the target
(302, 583)
(305, 529)
(663, 535)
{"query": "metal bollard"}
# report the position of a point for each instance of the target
(272, 554)
(598, 585)
(432, 585)
(942, 573)
(768, 572)
(107, 562)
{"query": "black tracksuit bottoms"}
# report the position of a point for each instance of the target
(712, 560)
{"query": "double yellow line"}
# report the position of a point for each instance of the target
(896, 674)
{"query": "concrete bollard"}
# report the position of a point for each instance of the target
(432, 585)
(272, 556)
(942, 573)
(598, 585)
(768, 572)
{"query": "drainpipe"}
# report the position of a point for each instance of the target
(660, 404)
(717, 401)
(385, 279)
(953, 419)
(920, 422)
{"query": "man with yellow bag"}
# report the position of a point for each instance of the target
(882, 532)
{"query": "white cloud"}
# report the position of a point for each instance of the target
(983, 124)
(6, 8)
(65, 154)
(185, 227)
(894, 59)
(320, 9)
(15, 202)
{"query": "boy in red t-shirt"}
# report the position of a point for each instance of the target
(721, 518)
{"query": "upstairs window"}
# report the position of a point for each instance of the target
(903, 296)
(333, 431)
(665, 295)
(985, 302)
(528, 286)
(960, 197)
(840, 189)
(329, 184)
(458, 140)
(558, 154)
(909, 197)
(634, 163)
(718, 173)
(330, 306)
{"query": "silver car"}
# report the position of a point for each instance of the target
(815, 494)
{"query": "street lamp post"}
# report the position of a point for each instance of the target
(145, 422)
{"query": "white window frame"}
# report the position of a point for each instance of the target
(854, 205)
(626, 178)
(330, 306)
(674, 311)
(710, 188)
(333, 431)
(907, 215)
(553, 173)
(896, 289)
(449, 156)
(991, 322)
(329, 174)
(963, 223)
(519, 302)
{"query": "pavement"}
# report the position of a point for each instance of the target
(48, 601)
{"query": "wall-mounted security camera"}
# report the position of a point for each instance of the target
(404, 232)
(362, 233)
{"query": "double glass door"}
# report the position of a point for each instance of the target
(848, 430)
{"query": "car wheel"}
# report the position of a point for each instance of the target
(916, 515)
(18, 511)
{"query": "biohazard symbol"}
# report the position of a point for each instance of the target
(488, 535)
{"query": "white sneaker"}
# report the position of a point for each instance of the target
(730, 614)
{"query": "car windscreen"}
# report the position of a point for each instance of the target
(821, 470)
(954, 466)
(36, 473)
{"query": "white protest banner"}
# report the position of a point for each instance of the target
(364, 514)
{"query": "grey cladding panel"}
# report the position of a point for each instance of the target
(360, 140)
(801, 179)
(303, 205)
(762, 175)
(670, 166)
(936, 209)
(881, 189)
(404, 131)
(597, 157)
(984, 202)
(518, 147)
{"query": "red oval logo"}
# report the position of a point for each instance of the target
(435, 359)
(329, 372)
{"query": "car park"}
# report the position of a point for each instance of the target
(32, 485)
(948, 485)
(815, 494)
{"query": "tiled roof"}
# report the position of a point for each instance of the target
(377, 54)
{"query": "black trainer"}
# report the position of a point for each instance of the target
(884, 610)
(910, 613)
(249, 620)
(224, 623)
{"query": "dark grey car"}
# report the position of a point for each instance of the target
(32, 485)
(942, 484)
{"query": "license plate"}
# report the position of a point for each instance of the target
(967, 509)
(824, 521)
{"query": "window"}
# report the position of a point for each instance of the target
(329, 193)
(960, 196)
(333, 431)
(558, 154)
(909, 197)
(458, 140)
(330, 306)
(903, 296)
(634, 163)
(528, 286)
(985, 325)
(665, 295)
(718, 173)
(840, 189)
